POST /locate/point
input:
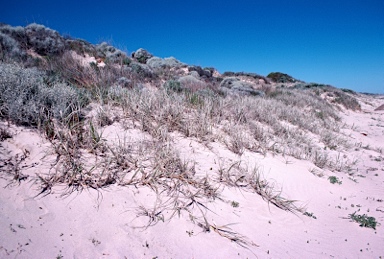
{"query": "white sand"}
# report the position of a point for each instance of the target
(105, 224)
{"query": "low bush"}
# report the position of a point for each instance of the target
(141, 55)
(281, 78)
(111, 54)
(17, 33)
(44, 41)
(9, 48)
(81, 47)
(245, 74)
(191, 83)
(234, 86)
(173, 85)
(207, 73)
(158, 63)
(27, 100)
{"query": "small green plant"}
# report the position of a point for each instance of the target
(234, 204)
(194, 99)
(173, 85)
(334, 179)
(364, 220)
(95, 242)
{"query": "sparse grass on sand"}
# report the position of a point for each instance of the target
(71, 105)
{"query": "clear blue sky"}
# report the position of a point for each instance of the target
(330, 41)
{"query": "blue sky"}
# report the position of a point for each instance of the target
(331, 41)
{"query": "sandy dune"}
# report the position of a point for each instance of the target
(107, 223)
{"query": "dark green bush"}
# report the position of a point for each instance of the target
(348, 91)
(281, 78)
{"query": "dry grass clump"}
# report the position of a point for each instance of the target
(283, 124)
(241, 177)
(12, 168)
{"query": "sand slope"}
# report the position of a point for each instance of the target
(107, 223)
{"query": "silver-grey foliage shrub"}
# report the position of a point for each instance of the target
(110, 53)
(117, 92)
(60, 99)
(27, 100)
(172, 85)
(142, 70)
(233, 85)
(124, 82)
(142, 55)
(156, 62)
(207, 73)
(18, 32)
(43, 40)
(11, 39)
(191, 83)
(9, 48)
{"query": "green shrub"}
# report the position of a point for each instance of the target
(281, 77)
(348, 91)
